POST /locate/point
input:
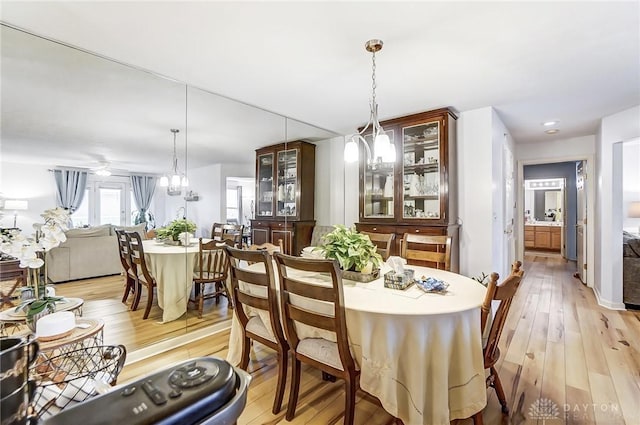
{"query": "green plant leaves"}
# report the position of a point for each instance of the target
(353, 250)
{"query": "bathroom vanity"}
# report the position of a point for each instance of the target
(543, 235)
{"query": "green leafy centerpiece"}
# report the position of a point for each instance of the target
(357, 255)
(175, 229)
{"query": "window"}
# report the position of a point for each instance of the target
(80, 217)
(110, 202)
(233, 213)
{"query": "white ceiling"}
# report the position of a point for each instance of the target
(575, 62)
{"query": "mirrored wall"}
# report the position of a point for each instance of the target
(64, 108)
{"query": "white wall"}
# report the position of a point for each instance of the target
(475, 191)
(336, 189)
(614, 129)
(210, 184)
(31, 182)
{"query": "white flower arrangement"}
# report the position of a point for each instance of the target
(50, 235)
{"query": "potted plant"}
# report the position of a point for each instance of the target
(357, 255)
(31, 253)
(175, 229)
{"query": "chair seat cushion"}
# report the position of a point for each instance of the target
(321, 350)
(256, 326)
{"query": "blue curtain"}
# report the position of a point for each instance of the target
(143, 189)
(71, 185)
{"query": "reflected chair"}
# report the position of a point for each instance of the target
(382, 241)
(142, 276)
(504, 294)
(258, 292)
(426, 250)
(125, 260)
(321, 307)
(233, 232)
(269, 247)
(211, 267)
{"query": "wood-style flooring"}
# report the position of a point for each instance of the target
(576, 361)
(103, 299)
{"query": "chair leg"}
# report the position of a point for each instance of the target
(295, 387)
(282, 379)
(477, 418)
(149, 301)
(137, 291)
(350, 389)
(499, 390)
(246, 347)
(129, 287)
(200, 300)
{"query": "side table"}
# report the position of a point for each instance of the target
(17, 320)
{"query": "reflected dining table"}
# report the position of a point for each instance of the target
(419, 353)
(172, 267)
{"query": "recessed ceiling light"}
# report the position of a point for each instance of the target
(549, 123)
(552, 131)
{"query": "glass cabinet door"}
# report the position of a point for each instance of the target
(378, 186)
(265, 186)
(287, 183)
(421, 171)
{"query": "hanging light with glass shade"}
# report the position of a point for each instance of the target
(174, 181)
(383, 150)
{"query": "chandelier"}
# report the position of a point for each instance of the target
(383, 150)
(174, 181)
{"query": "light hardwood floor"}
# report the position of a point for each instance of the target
(103, 299)
(557, 345)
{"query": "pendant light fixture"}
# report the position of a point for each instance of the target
(174, 181)
(383, 150)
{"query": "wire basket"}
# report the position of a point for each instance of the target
(75, 376)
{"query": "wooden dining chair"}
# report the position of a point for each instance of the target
(333, 358)
(233, 232)
(253, 327)
(142, 275)
(125, 260)
(382, 241)
(426, 250)
(211, 267)
(504, 294)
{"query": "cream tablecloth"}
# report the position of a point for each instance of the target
(172, 267)
(419, 353)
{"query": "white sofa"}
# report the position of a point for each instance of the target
(87, 252)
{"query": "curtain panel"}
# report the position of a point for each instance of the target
(143, 188)
(71, 185)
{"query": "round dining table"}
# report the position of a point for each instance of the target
(419, 353)
(172, 266)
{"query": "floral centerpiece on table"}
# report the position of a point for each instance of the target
(31, 251)
(175, 229)
(354, 251)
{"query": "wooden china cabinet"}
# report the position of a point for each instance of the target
(418, 192)
(285, 179)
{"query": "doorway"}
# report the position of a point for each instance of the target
(545, 217)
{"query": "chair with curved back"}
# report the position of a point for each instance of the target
(427, 250)
(383, 241)
(258, 327)
(221, 232)
(125, 260)
(328, 316)
(211, 267)
(142, 275)
(503, 293)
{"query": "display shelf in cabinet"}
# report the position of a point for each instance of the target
(425, 147)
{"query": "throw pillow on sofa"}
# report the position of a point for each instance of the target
(139, 228)
(89, 232)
